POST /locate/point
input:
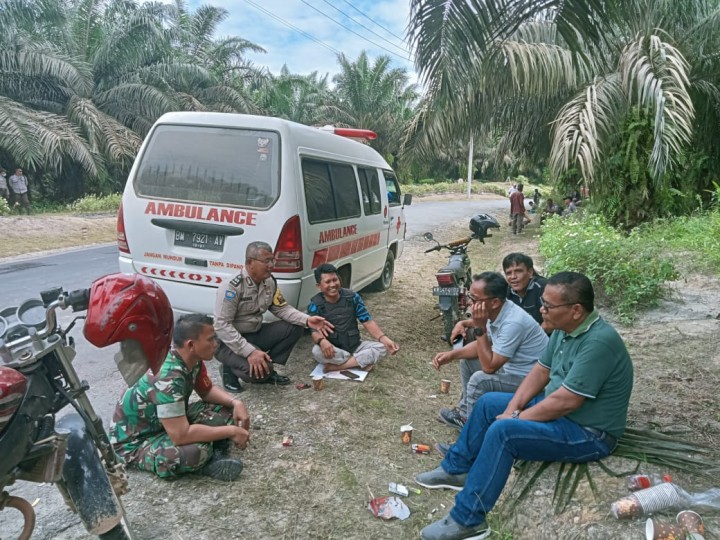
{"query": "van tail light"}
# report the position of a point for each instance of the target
(121, 238)
(445, 280)
(288, 250)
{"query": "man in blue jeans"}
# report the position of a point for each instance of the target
(587, 375)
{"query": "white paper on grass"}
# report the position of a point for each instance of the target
(318, 373)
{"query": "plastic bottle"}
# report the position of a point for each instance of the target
(644, 481)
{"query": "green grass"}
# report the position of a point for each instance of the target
(424, 187)
(95, 203)
(630, 269)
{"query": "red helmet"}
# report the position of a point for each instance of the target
(133, 310)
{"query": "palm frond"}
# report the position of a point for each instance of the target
(654, 75)
(582, 125)
(104, 133)
(41, 139)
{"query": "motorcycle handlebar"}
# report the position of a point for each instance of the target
(78, 300)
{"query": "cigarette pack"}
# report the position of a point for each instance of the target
(420, 448)
(398, 489)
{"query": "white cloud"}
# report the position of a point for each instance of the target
(302, 55)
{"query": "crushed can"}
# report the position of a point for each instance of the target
(420, 448)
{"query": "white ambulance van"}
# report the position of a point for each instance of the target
(204, 185)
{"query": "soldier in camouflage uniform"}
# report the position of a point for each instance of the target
(155, 429)
(248, 348)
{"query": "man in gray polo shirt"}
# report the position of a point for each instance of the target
(507, 343)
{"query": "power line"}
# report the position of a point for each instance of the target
(352, 31)
(290, 25)
(366, 28)
(374, 21)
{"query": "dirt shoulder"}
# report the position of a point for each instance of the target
(48, 233)
(347, 441)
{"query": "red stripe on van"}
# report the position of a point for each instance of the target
(338, 251)
(189, 277)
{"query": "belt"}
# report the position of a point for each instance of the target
(609, 440)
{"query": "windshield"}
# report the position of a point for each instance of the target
(225, 166)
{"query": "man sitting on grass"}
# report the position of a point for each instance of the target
(587, 377)
(343, 308)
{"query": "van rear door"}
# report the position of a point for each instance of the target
(198, 196)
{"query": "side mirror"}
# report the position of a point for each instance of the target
(407, 199)
(428, 236)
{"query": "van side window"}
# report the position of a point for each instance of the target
(330, 191)
(370, 187)
(393, 188)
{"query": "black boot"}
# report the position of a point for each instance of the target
(230, 382)
(224, 469)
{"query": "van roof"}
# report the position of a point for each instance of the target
(300, 134)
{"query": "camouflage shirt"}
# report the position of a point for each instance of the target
(139, 412)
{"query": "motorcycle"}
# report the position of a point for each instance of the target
(453, 279)
(38, 380)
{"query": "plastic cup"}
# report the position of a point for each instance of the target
(658, 498)
(657, 530)
(692, 522)
(444, 386)
(318, 383)
(406, 434)
(626, 508)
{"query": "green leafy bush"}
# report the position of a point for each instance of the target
(628, 269)
(4, 207)
(93, 203)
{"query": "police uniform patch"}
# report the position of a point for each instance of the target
(229, 295)
(236, 280)
(279, 299)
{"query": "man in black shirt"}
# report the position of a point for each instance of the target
(526, 287)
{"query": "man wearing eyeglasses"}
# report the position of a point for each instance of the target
(506, 343)
(587, 377)
(249, 349)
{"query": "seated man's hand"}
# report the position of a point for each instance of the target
(316, 322)
(258, 361)
(458, 330)
(240, 438)
(390, 345)
(327, 348)
(240, 415)
(442, 359)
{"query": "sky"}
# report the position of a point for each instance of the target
(258, 21)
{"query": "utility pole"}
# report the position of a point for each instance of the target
(470, 167)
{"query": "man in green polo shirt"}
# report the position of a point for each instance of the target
(587, 377)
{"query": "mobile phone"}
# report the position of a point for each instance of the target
(350, 374)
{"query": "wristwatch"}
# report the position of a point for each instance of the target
(515, 414)
(478, 331)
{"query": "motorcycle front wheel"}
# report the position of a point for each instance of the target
(121, 531)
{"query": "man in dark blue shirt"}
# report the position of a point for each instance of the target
(526, 287)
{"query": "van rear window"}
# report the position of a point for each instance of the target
(211, 165)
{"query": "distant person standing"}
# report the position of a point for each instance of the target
(4, 186)
(517, 209)
(19, 187)
(536, 197)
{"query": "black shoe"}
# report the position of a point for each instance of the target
(230, 382)
(223, 469)
(274, 378)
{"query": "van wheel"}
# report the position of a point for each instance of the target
(384, 282)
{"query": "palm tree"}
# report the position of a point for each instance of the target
(306, 99)
(86, 79)
(377, 97)
(566, 79)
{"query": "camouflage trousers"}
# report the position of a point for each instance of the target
(157, 454)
